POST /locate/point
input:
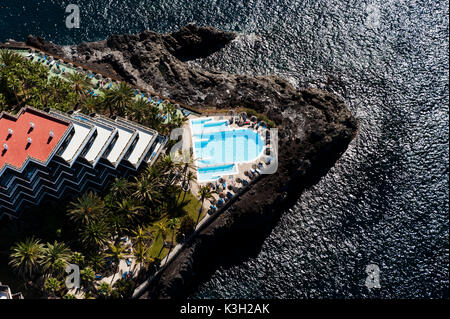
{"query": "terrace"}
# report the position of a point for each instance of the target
(146, 137)
(83, 132)
(125, 137)
(104, 135)
(229, 152)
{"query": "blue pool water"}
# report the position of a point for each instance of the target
(203, 126)
(211, 173)
(80, 118)
(200, 121)
(217, 148)
(215, 124)
(222, 147)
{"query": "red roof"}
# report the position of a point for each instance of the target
(41, 146)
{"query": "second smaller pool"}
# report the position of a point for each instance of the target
(212, 173)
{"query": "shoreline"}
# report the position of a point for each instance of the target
(315, 128)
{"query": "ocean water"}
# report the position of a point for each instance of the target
(386, 201)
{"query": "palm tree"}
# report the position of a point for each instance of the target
(97, 261)
(153, 173)
(77, 259)
(175, 121)
(120, 187)
(187, 227)
(80, 83)
(117, 253)
(117, 223)
(3, 105)
(170, 170)
(87, 277)
(94, 235)
(204, 193)
(9, 57)
(52, 286)
(141, 236)
(119, 218)
(137, 108)
(90, 105)
(160, 230)
(146, 190)
(172, 224)
(13, 87)
(86, 209)
(141, 255)
(118, 98)
(188, 177)
(128, 209)
(26, 257)
(188, 164)
(179, 121)
(169, 109)
(145, 113)
(104, 289)
(167, 164)
(56, 257)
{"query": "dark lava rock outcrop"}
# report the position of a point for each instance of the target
(315, 128)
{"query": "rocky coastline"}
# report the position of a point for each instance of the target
(315, 128)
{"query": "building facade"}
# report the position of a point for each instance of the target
(48, 154)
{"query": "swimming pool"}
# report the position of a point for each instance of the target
(203, 126)
(78, 117)
(217, 148)
(210, 173)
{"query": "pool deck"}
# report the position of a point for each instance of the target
(229, 179)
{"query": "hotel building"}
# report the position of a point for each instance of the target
(48, 154)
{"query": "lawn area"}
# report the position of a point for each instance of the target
(189, 205)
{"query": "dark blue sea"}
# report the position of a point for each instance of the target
(386, 202)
